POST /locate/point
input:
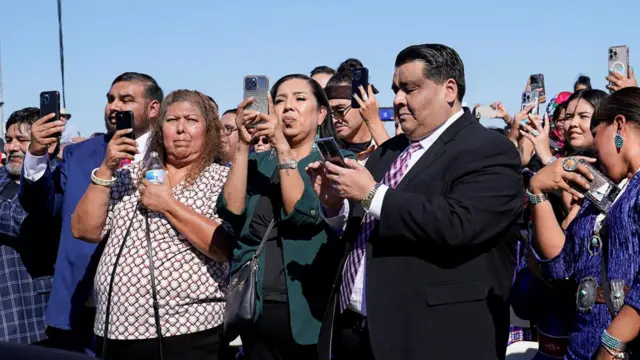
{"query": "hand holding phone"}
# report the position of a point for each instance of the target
(359, 77)
(602, 191)
(50, 103)
(124, 120)
(330, 151)
(531, 97)
(536, 82)
(485, 112)
(256, 87)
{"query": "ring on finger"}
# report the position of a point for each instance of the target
(535, 133)
(365, 97)
(570, 164)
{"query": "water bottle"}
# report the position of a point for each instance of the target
(154, 170)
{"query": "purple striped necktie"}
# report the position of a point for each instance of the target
(392, 178)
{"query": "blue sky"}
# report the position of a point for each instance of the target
(211, 45)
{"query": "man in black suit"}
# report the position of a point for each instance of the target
(431, 230)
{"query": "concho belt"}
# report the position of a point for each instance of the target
(589, 294)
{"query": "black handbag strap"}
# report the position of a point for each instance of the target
(264, 239)
(154, 295)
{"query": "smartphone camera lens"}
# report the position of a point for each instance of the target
(357, 75)
(250, 83)
(45, 98)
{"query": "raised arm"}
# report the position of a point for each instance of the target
(40, 186)
(235, 189)
(90, 216)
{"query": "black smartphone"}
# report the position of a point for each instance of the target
(330, 151)
(124, 120)
(50, 103)
(359, 77)
(537, 83)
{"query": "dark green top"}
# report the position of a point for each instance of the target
(310, 250)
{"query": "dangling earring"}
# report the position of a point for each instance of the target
(618, 140)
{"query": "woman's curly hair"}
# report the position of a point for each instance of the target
(211, 144)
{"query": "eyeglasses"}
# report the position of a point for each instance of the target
(259, 140)
(340, 112)
(228, 129)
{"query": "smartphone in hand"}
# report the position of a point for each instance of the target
(257, 87)
(536, 81)
(330, 151)
(531, 97)
(50, 103)
(602, 191)
(359, 77)
(124, 120)
(486, 112)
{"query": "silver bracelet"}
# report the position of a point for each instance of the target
(551, 161)
(101, 182)
(289, 165)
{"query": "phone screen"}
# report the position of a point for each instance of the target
(330, 151)
(124, 120)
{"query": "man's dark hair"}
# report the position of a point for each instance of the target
(322, 70)
(441, 63)
(213, 101)
(152, 90)
(341, 78)
(230, 111)
(583, 80)
(349, 65)
(23, 117)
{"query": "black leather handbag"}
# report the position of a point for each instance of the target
(240, 310)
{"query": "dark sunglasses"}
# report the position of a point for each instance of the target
(262, 139)
(340, 112)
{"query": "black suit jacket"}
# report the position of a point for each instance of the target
(441, 259)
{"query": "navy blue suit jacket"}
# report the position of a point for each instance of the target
(57, 193)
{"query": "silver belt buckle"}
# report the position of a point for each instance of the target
(586, 295)
(617, 294)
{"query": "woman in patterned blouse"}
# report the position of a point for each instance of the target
(189, 268)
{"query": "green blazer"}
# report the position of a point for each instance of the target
(310, 249)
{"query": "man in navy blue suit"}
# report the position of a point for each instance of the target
(70, 313)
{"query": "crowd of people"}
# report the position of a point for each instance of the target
(446, 233)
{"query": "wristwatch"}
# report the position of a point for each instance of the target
(535, 199)
(366, 202)
(291, 164)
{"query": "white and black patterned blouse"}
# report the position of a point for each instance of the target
(191, 287)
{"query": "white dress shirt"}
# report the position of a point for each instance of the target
(357, 302)
(35, 166)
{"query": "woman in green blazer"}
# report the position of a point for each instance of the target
(301, 255)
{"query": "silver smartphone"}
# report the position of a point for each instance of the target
(602, 192)
(330, 151)
(486, 112)
(619, 59)
(531, 97)
(257, 87)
